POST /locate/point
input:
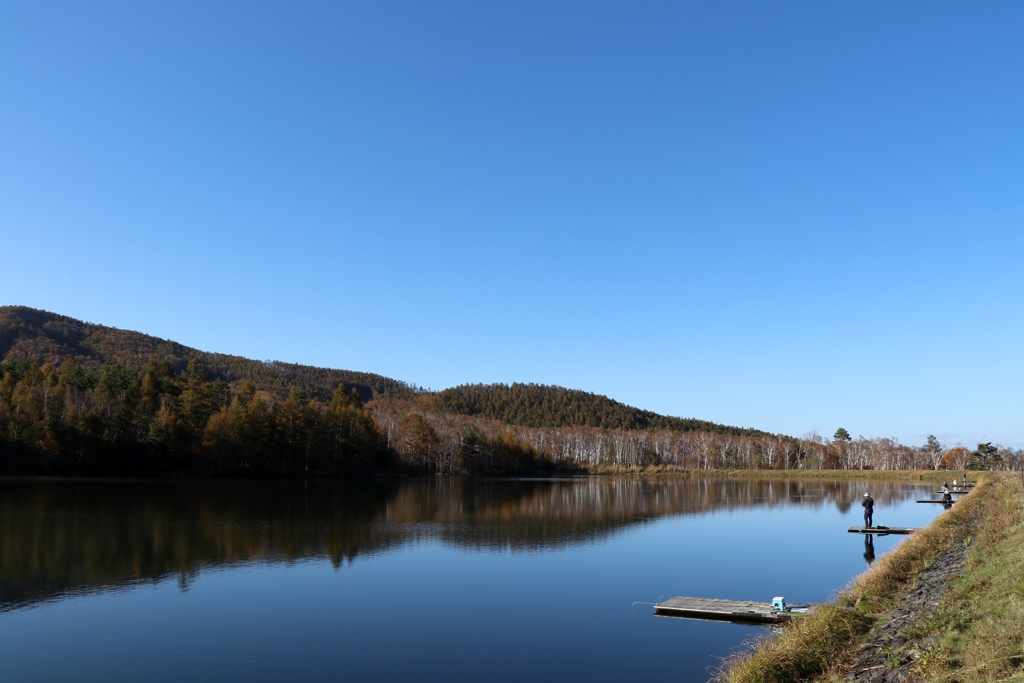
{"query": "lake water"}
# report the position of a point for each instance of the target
(427, 580)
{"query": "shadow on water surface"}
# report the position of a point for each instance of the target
(73, 536)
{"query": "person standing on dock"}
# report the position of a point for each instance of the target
(869, 509)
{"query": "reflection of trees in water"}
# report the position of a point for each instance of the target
(61, 536)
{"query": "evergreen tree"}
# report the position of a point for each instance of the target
(985, 456)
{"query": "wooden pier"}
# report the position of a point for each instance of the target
(724, 610)
(939, 501)
(880, 530)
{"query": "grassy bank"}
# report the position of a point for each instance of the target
(978, 635)
(819, 647)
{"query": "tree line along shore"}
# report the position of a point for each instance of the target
(68, 418)
(945, 605)
(81, 398)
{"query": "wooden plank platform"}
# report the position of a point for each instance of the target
(723, 610)
(880, 530)
(940, 501)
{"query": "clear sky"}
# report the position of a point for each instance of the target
(789, 216)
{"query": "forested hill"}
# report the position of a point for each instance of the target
(27, 333)
(44, 337)
(538, 405)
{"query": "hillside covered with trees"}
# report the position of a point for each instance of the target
(47, 338)
(539, 405)
(124, 403)
(69, 419)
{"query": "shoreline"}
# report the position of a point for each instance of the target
(597, 471)
(944, 605)
(672, 471)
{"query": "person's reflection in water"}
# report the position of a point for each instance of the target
(869, 548)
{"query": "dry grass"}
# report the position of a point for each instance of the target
(978, 636)
(806, 648)
(675, 470)
(818, 646)
(875, 590)
(607, 468)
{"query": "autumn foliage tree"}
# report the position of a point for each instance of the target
(67, 419)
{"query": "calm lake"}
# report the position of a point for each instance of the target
(427, 579)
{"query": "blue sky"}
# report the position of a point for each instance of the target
(790, 216)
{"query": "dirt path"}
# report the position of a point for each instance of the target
(888, 654)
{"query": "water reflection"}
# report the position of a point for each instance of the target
(869, 548)
(61, 536)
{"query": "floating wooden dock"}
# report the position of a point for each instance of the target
(940, 501)
(880, 530)
(725, 610)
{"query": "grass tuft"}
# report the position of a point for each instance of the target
(806, 647)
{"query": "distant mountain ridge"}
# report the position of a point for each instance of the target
(48, 337)
(539, 405)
